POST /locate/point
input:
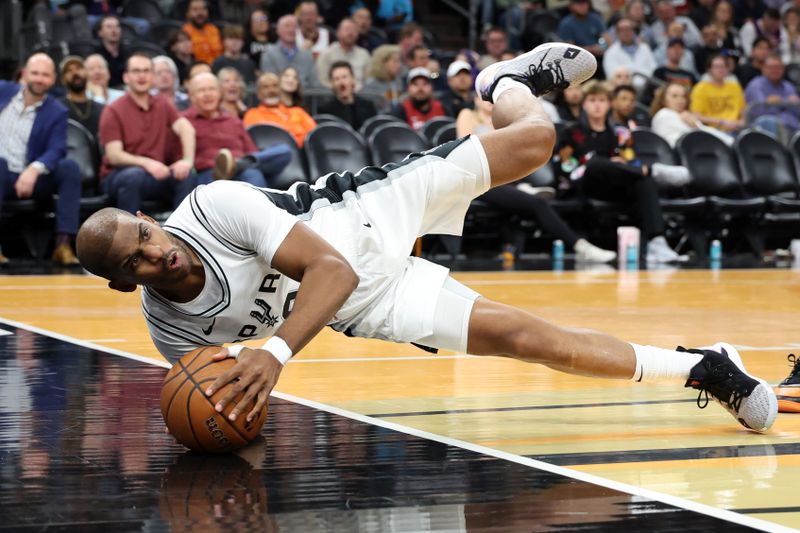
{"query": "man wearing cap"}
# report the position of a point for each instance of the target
(33, 148)
(420, 105)
(82, 109)
(345, 104)
(344, 49)
(459, 82)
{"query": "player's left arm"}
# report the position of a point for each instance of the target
(326, 281)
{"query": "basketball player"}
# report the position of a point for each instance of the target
(235, 262)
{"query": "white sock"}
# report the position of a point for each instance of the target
(508, 83)
(654, 364)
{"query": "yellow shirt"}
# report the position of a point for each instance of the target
(724, 102)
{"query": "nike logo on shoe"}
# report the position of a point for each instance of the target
(211, 327)
(367, 225)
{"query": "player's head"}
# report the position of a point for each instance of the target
(131, 250)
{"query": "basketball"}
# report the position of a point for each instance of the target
(190, 414)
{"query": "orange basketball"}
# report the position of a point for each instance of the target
(190, 414)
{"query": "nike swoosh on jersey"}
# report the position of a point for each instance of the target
(211, 327)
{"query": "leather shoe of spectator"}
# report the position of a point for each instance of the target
(63, 255)
(224, 165)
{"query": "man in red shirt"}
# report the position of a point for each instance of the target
(420, 105)
(138, 133)
(224, 148)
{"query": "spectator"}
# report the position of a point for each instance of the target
(672, 118)
(624, 111)
(496, 42)
(584, 28)
(285, 53)
(568, 103)
(459, 94)
(82, 109)
(345, 104)
(394, 13)
(621, 76)
(257, 35)
(599, 161)
(418, 56)
(367, 39)
(99, 76)
(665, 13)
(224, 148)
(748, 11)
(179, 50)
(722, 20)
(232, 56)
(762, 48)
(310, 35)
(345, 49)
(791, 23)
(420, 105)
(33, 150)
(672, 71)
(636, 12)
(291, 88)
(769, 26)
(773, 101)
(206, 41)
(109, 32)
(166, 84)
(701, 13)
(410, 36)
(196, 69)
(719, 101)
(271, 109)
(712, 46)
(232, 87)
(137, 133)
(384, 73)
(676, 31)
(627, 52)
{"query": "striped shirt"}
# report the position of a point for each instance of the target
(16, 122)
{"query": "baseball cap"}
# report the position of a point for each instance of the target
(418, 72)
(67, 61)
(456, 67)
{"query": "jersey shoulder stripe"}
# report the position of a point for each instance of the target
(174, 330)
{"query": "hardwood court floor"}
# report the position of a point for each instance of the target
(648, 436)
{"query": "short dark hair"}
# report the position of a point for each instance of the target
(340, 64)
(409, 29)
(102, 20)
(623, 88)
(137, 54)
(761, 39)
(772, 13)
(413, 51)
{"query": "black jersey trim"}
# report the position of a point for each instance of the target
(174, 330)
(203, 220)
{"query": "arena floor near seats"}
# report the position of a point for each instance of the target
(369, 436)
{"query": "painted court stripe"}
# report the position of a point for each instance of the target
(674, 501)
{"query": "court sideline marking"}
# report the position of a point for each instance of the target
(675, 501)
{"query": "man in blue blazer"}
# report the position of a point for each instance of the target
(33, 147)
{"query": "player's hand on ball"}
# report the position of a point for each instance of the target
(255, 374)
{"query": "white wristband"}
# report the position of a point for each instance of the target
(279, 349)
(235, 350)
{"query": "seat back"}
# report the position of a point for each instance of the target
(445, 134)
(266, 135)
(162, 30)
(82, 148)
(372, 123)
(393, 142)
(764, 164)
(432, 126)
(331, 147)
(143, 9)
(325, 117)
(650, 147)
(711, 164)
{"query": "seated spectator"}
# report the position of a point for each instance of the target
(671, 71)
(98, 78)
(712, 46)
(109, 32)
(769, 26)
(345, 104)
(291, 88)
(271, 109)
(459, 94)
(665, 14)
(584, 28)
(82, 109)
(206, 40)
(418, 57)
(384, 73)
(409, 37)
(232, 56)
(627, 52)
(137, 132)
(521, 198)
(165, 83)
(311, 35)
(621, 76)
(569, 104)
(233, 89)
(32, 154)
(224, 149)
(257, 35)
(701, 13)
(344, 49)
(722, 20)
(637, 12)
(285, 53)
(599, 161)
(672, 118)
(791, 23)
(773, 101)
(179, 50)
(719, 101)
(367, 39)
(747, 10)
(745, 73)
(624, 111)
(495, 40)
(420, 105)
(675, 32)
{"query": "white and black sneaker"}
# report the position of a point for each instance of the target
(546, 68)
(721, 374)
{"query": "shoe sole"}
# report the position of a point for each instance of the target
(580, 67)
(788, 399)
(763, 392)
(223, 165)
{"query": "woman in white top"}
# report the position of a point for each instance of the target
(672, 118)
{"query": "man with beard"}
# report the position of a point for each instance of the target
(206, 40)
(345, 104)
(344, 49)
(109, 32)
(459, 82)
(33, 149)
(82, 109)
(420, 105)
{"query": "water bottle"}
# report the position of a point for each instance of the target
(715, 251)
(558, 255)
(632, 256)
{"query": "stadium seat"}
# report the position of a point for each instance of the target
(83, 47)
(325, 117)
(143, 9)
(372, 123)
(266, 135)
(432, 127)
(162, 30)
(393, 142)
(82, 148)
(331, 147)
(446, 134)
